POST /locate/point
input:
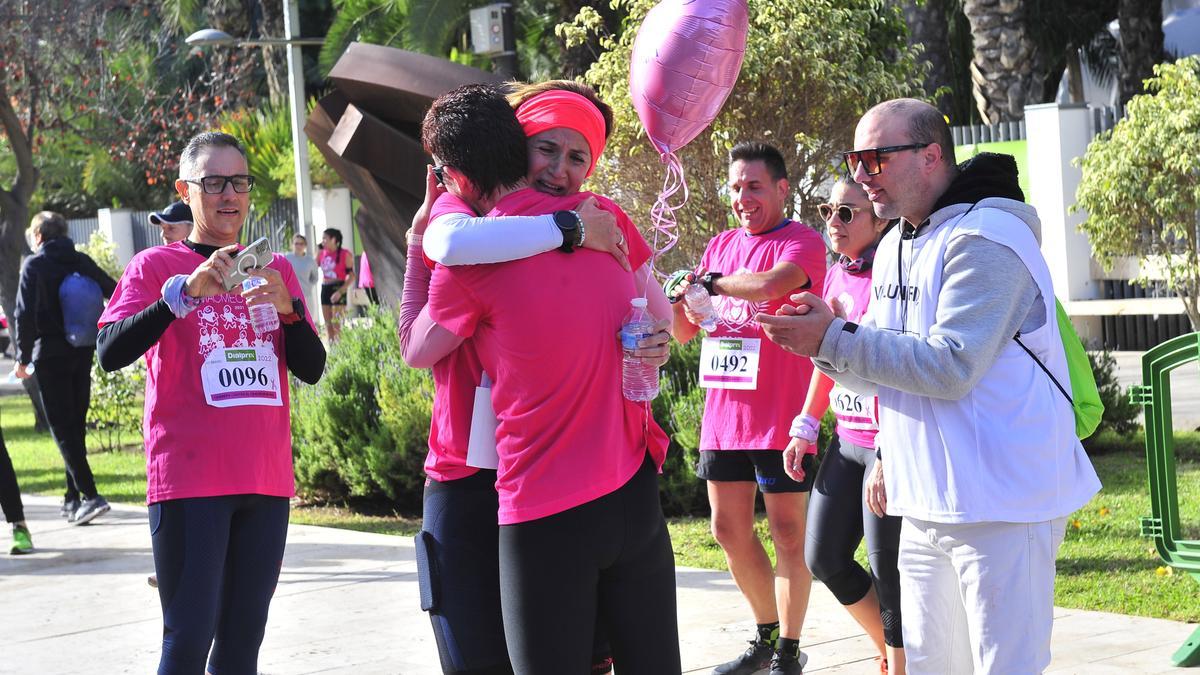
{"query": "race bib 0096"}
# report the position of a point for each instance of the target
(241, 376)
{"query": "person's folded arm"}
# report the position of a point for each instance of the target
(986, 295)
(460, 239)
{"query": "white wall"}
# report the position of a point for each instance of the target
(1058, 134)
(117, 225)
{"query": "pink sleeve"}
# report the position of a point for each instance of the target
(451, 302)
(808, 253)
(422, 342)
(134, 292)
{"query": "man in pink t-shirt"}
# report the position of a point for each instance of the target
(217, 415)
(753, 389)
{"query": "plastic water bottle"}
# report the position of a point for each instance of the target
(700, 302)
(263, 317)
(639, 380)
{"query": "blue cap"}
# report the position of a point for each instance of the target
(177, 212)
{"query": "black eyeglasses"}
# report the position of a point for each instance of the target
(871, 159)
(844, 213)
(215, 185)
(439, 174)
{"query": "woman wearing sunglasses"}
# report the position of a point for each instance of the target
(837, 514)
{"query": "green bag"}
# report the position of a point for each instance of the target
(1089, 410)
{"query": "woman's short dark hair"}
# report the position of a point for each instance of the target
(334, 234)
(750, 151)
(474, 130)
(201, 141)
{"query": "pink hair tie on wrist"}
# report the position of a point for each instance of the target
(559, 108)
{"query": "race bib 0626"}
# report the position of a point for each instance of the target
(241, 376)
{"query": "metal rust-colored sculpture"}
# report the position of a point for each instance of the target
(369, 131)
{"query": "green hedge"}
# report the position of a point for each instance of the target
(361, 431)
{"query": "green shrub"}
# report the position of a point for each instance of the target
(1120, 416)
(361, 430)
(679, 409)
(115, 413)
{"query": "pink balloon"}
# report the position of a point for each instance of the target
(685, 62)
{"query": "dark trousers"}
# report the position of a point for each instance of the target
(217, 561)
(66, 388)
(10, 492)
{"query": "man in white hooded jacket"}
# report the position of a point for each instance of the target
(982, 458)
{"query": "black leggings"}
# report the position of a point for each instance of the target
(837, 519)
(10, 492)
(612, 554)
(217, 560)
(459, 573)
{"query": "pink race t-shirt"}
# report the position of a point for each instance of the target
(334, 268)
(192, 448)
(456, 376)
(857, 416)
(546, 328)
(759, 419)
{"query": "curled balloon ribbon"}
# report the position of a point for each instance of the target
(662, 214)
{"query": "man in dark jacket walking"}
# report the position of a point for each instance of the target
(63, 370)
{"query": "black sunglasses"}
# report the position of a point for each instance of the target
(215, 185)
(871, 159)
(438, 173)
(844, 213)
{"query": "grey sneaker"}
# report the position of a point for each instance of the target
(754, 661)
(90, 509)
(787, 664)
(69, 507)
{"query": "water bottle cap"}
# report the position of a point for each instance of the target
(252, 282)
(638, 302)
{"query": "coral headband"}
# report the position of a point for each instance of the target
(559, 108)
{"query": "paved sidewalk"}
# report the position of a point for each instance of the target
(347, 603)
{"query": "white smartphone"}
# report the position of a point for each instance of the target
(255, 255)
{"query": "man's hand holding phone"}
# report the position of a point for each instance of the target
(210, 277)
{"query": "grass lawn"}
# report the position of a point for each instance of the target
(1103, 565)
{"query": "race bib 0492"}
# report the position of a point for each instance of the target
(241, 376)
(729, 363)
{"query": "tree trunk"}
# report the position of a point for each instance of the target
(929, 27)
(274, 58)
(1141, 43)
(1074, 76)
(1002, 69)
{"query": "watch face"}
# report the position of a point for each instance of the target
(566, 220)
(298, 307)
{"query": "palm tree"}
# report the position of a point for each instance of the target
(929, 26)
(1141, 43)
(1003, 65)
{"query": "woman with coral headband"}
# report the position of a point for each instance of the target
(566, 137)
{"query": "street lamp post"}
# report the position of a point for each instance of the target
(296, 99)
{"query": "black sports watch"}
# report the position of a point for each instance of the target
(571, 226)
(707, 281)
(297, 312)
